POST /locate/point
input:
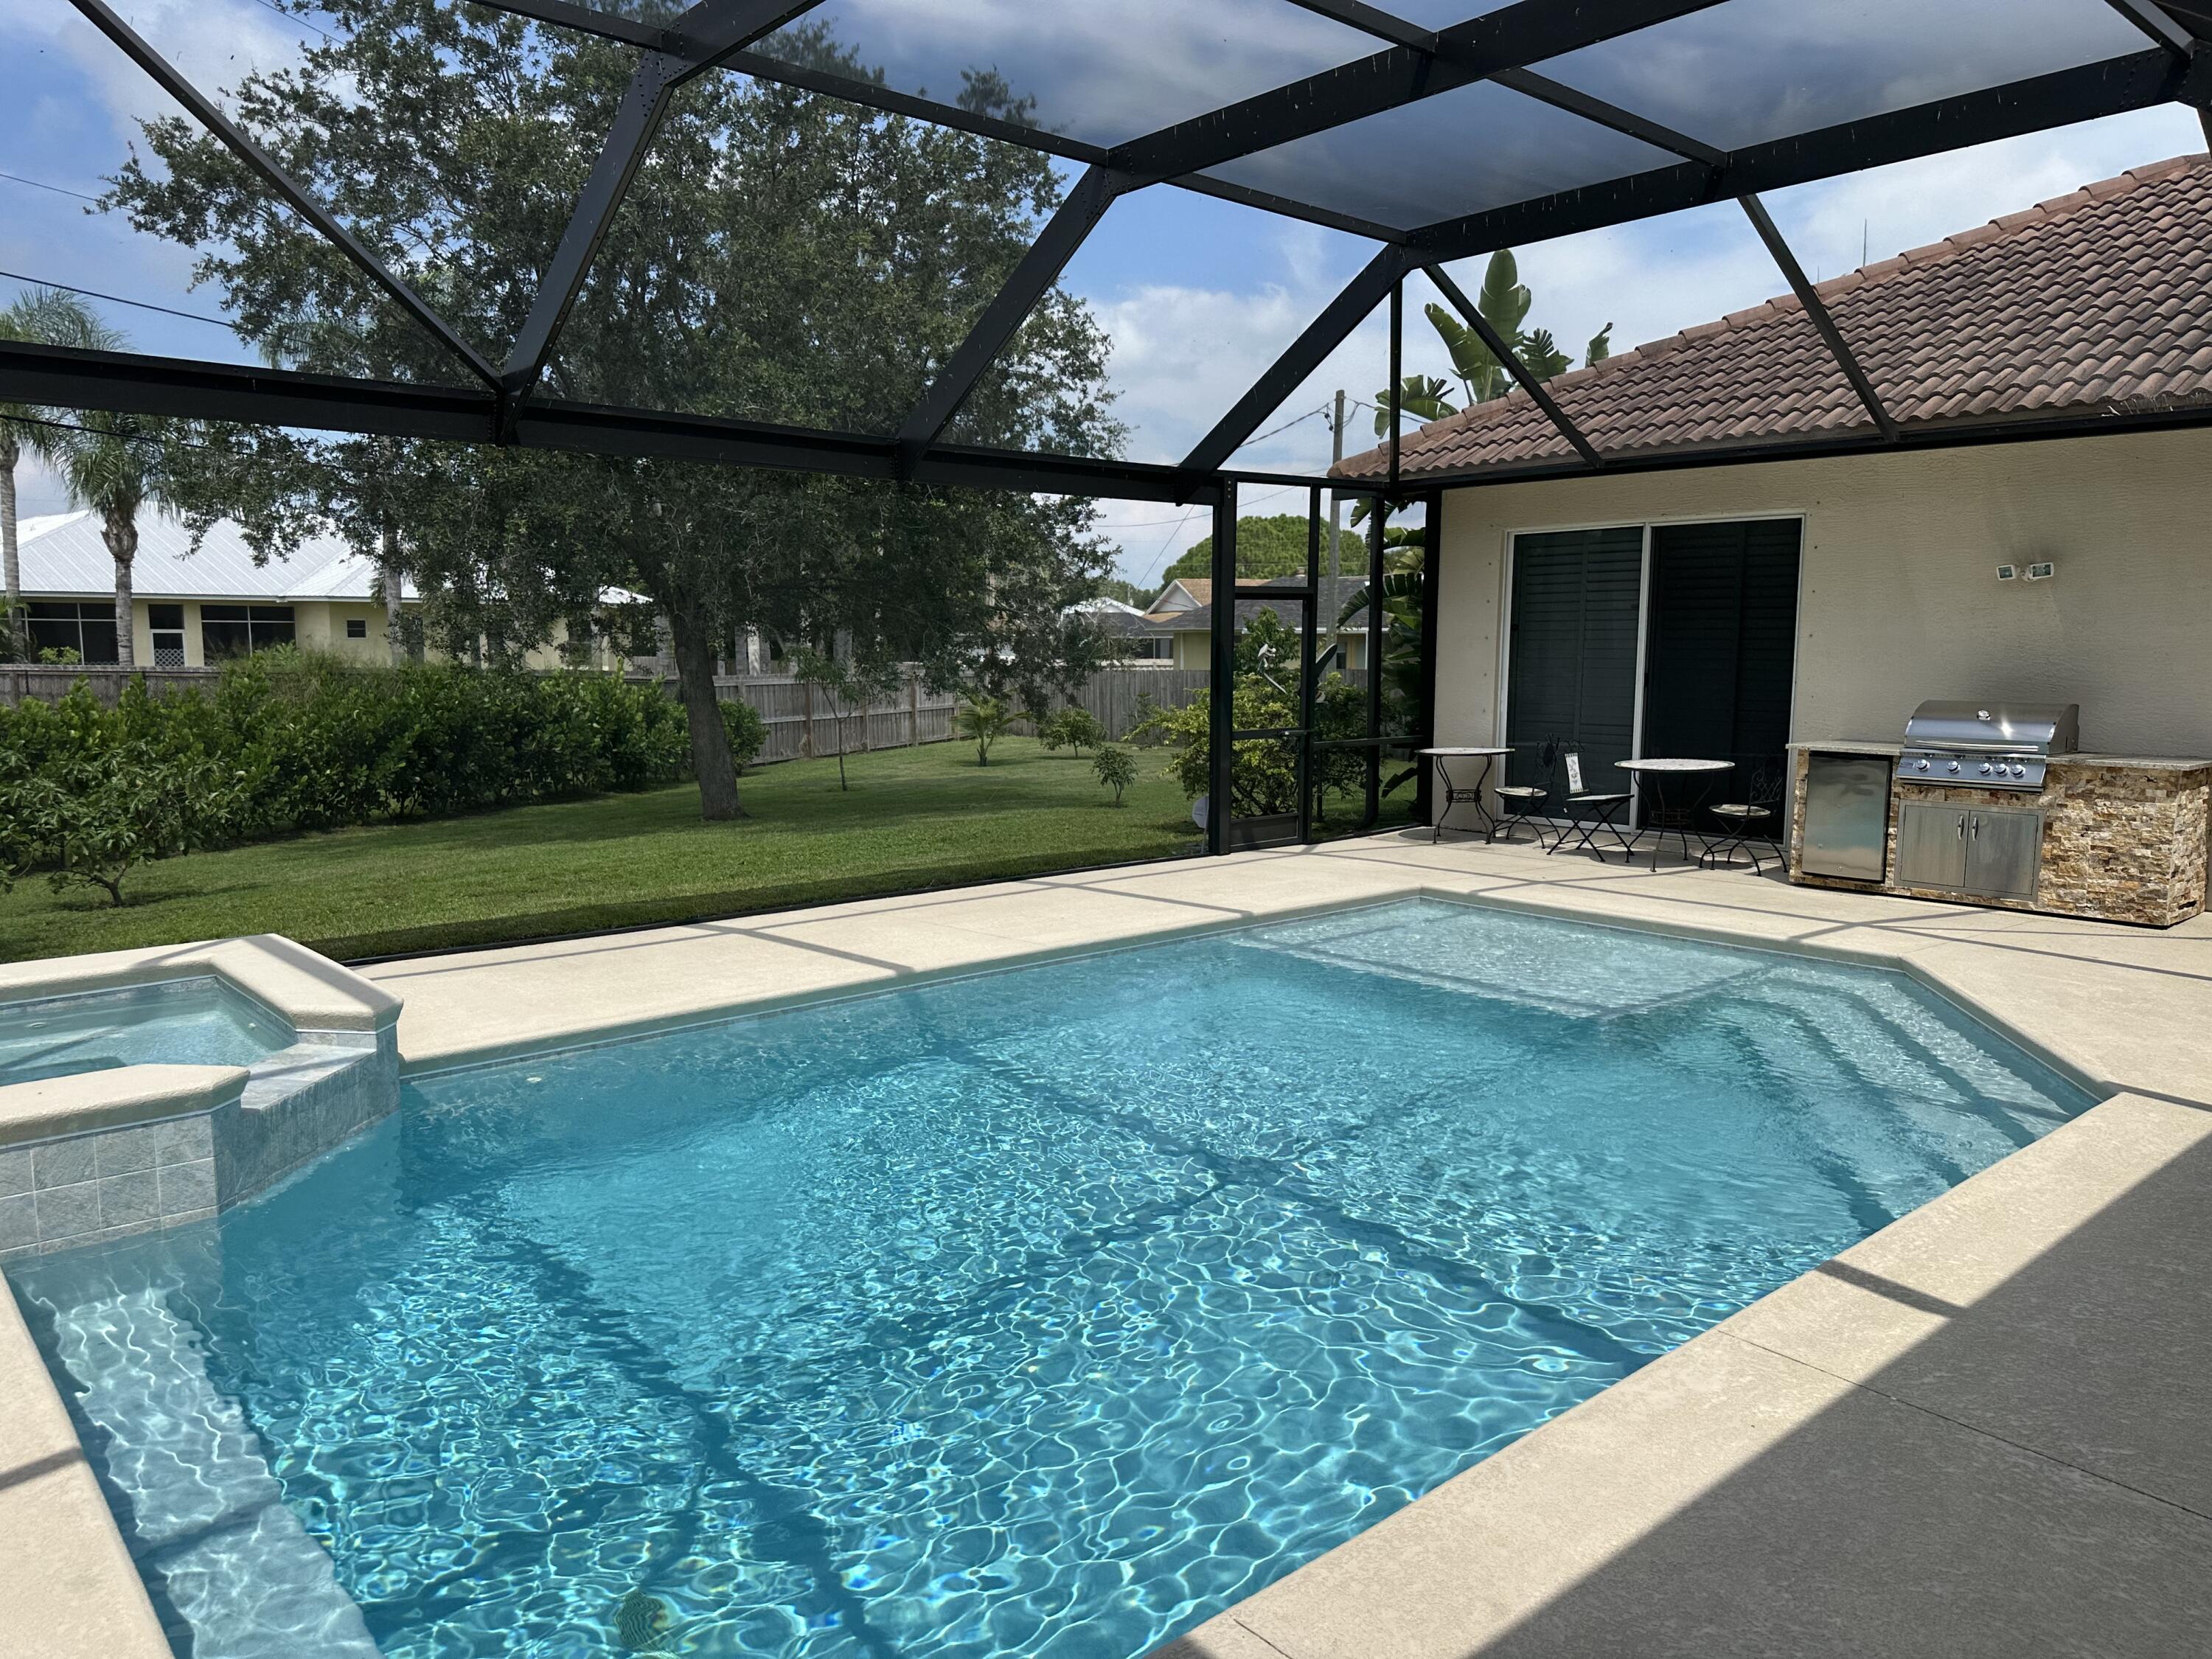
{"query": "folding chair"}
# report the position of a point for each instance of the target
(1524, 803)
(1604, 806)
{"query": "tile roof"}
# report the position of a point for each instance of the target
(63, 554)
(2099, 300)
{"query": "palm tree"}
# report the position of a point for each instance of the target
(45, 317)
(111, 464)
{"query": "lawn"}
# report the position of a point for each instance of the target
(914, 818)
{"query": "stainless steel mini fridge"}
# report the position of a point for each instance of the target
(1846, 816)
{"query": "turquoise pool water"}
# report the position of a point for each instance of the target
(182, 1022)
(1039, 1313)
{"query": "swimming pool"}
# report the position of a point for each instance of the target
(195, 1021)
(1044, 1313)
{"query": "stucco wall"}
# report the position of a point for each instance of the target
(1900, 599)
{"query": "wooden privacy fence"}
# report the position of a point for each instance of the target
(51, 682)
(803, 721)
(1121, 696)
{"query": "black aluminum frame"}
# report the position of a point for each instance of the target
(505, 405)
(1414, 64)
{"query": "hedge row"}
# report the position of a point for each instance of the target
(309, 743)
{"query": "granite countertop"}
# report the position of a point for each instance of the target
(1852, 746)
(2126, 762)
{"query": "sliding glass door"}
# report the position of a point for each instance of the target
(1721, 657)
(1570, 673)
(1674, 639)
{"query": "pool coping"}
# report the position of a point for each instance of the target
(1397, 1586)
(309, 991)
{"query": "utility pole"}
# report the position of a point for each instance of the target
(1335, 531)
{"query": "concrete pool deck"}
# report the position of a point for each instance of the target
(1987, 1428)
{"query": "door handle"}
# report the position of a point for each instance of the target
(1977, 829)
(1962, 826)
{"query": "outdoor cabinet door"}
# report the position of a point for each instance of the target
(1931, 846)
(2003, 851)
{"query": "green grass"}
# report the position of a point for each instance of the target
(914, 818)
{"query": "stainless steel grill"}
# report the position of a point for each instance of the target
(1987, 745)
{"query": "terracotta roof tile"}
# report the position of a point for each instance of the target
(2100, 297)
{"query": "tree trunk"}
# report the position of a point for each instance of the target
(388, 578)
(14, 647)
(710, 743)
(122, 536)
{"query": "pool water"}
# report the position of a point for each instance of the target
(1045, 1313)
(182, 1022)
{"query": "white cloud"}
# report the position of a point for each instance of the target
(1183, 355)
(214, 44)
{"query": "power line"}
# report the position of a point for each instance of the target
(295, 17)
(58, 189)
(1154, 524)
(1286, 427)
(117, 299)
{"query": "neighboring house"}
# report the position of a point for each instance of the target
(192, 607)
(1177, 630)
(1708, 609)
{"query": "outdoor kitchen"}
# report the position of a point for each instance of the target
(1998, 805)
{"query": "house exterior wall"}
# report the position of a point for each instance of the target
(1899, 600)
(1194, 649)
(321, 625)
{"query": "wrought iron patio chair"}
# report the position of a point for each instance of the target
(1604, 806)
(1745, 824)
(1524, 803)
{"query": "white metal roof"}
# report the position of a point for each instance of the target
(65, 557)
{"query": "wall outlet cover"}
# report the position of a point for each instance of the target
(2041, 573)
(2006, 572)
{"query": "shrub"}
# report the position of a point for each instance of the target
(1263, 777)
(1115, 769)
(93, 821)
(1072, 727)
(747, 732)
(307, 742)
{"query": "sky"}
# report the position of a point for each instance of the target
(1197, 296)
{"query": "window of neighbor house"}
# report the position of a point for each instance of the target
(1152, 647)
(356, 628)
(166, 622)
(239, 630)
(88, 629)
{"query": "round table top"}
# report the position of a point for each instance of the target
(1667, 765)
(1449, 753)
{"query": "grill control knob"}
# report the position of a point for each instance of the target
(1923, 765)
(1954, 766)
(1985, 768)
(2020, 771)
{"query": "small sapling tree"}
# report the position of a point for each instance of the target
(1115, 769)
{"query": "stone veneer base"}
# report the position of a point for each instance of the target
(2121, 842)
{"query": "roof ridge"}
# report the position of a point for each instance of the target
(1913, 260)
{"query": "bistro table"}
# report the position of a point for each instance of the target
(1667, 816)
(1457, 794)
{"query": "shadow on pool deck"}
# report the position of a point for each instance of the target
(1904, 1454)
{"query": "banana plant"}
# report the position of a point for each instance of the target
(1504, 302)
(1424, 396)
